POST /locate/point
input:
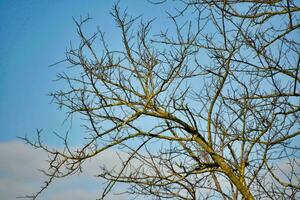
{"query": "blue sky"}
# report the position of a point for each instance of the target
(34, 34)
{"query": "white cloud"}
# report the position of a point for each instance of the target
(19, 175)
(21, 160)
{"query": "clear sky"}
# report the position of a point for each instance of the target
(34, 34)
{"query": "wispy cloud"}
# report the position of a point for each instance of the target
(19, 175)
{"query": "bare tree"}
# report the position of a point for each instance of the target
(207, 108)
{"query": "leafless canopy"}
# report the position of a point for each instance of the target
(209, 107)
